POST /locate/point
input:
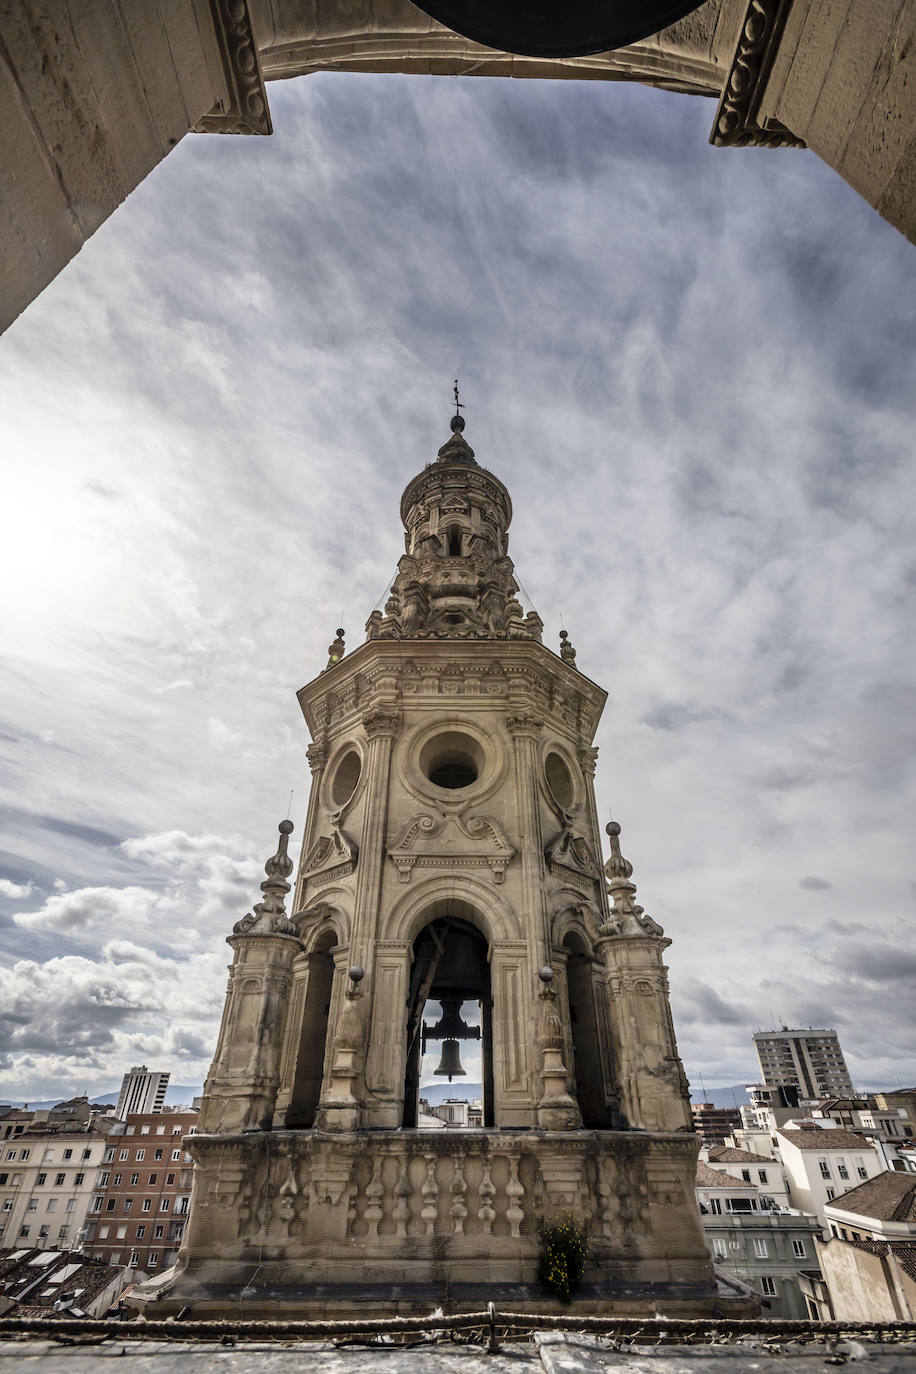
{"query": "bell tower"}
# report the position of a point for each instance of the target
(449, 896)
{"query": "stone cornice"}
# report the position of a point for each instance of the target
(735, 124)
(246, 111)
(381, 672)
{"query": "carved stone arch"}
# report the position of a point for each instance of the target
(329, 912)
(573, 912)
(472, 900)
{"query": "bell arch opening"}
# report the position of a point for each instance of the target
(450, 968)
(586, 1053)
(313, 1036)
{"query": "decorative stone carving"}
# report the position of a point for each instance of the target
(627, 918)
(570, 857)
(381, 723)
(244, 109)
(735, 124)
(269, 915)
(429, 841)
(331, 857)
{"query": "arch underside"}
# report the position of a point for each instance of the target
(296, 37)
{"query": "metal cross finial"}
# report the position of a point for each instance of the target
(459, 405)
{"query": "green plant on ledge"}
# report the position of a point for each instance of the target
(564, 1250)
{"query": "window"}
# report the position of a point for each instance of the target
(33, 1205)
(96, 1205)
(842, 1170)
(124, 1154)
(768, 1286)
(158, 1232)
(68, 1154)
(144, 1129)
(108, 1156)
(120, 1233)
(103, 1178)
(158, 1154)
(87, 1153)
(861, 1171)
(41, 1180)
(176, 1154)
(179, 1232)
(110, 1204)
(11, 1154)
(824, 1168)
(855, 1235)
(23, 1231)
(762, 1175)
(130, 1130)
(746, 1175)
(760, 1247)
(799, 1250)
(128, 1203)
(44, 1231)
(831, 1194)
(24, 1154)
(152, 1180)
(141, 1232)
(134, 1180)
(169, 1180)
(146, 1205)
(8, 1204)
(63, 1232)
(141, 1154)
(160, 1130)
(715, 1206)
(59, 1180)
(164, 1204)
(78, 1180)
(176, 1130)
(134, 1258)
(103, 1232)
(3, 1178)
(153, 1260)
(52, 1205)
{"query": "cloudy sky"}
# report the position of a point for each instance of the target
(695, 371)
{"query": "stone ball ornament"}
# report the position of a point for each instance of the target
(575, 28)
(545, 973)
(356, 973)
(286, 827)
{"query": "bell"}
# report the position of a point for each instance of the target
(450, 1064)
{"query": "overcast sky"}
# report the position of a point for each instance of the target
(693, 368)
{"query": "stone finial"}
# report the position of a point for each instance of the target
(567, 652)
(336, 650)
(627, 916)
(456, 449)
(268, 916)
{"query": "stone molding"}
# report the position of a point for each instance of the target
(246, 111)
(429, 842)
(735, 124)
(381, 723)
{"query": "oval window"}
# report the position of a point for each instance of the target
(346, 776)
(451, 760)
(559, 780)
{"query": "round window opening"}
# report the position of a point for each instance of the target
(559, 780)
(452, 760)
(346, 776)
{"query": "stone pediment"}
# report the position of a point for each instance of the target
(330, 857)
(570, 857)
(429, 841)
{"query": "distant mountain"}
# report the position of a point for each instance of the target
(179, 1094)
(438, 1092)
(732, 1096)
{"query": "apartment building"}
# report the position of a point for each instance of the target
(142, 1192)
(810, 1060)
(868, 1260)
(141, 1091)
(47, 1173)
(712, 1124)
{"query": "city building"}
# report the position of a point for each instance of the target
(57, 1283)
(868, 1260)
(142, 1192)
(451, 855)
(46, 1178)
(141, 1091)
(764, 1172)
(712, 1124)
(768, 1107)
(821, 1164)
(766, 1249)
(810, 1061)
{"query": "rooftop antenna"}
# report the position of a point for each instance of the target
(290, 807)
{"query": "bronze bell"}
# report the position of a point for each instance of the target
(450, 1063)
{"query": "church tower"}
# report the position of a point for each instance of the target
(451, 869)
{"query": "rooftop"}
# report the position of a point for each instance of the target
(890, 1196)
(815, 1139)
(714, 1178)
(728, 1154)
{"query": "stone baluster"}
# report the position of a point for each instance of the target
(375, 1191)
(401, 1211)
(458, 1211)
(514, 1193)
(486, 1190)
(430, 1191)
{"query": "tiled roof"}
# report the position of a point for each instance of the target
(903, 1252)
(826, 1140)
(713, 1178)
(890, 1196)
(35, 1279)
(727, 1154)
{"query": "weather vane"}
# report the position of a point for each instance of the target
(459, 405)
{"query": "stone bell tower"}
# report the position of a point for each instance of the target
(451, 855)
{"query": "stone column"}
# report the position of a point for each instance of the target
(241, 1089)
(340, 1104)
(557, 1110)
(525, 728)
(92, 98)
(317, 755)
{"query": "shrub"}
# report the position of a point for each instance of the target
(564, 1250)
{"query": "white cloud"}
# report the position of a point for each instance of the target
(15, 890)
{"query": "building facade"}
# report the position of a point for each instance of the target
(451, 855)
(712, 1124)
(142, 1192)
(868, 1257)
(46, 1178)
(141, 1091)
(810, 1061)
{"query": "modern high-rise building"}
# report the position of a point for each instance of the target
(141, 1091)
(809, 1060)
